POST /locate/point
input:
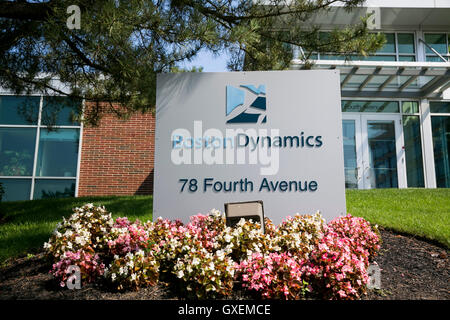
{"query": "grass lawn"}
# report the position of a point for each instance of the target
(421, 212)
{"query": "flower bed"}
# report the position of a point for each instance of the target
(302, 257)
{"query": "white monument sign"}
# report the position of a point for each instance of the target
(274, 136)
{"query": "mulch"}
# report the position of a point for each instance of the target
(411, 269)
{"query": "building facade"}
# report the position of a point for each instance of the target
(396, 102)
(395, 110)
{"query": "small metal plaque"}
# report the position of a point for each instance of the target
(253, 210)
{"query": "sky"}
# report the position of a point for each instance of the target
(209, 63)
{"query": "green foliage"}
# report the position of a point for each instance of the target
(121, 46)
(2, 191)
(177, 69)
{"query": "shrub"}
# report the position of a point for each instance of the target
(205, 274)
(169, 236)
(300, 234)
(191, 253)
(86, 229)
(243, 239)
(205, 228)
(89, 263)
(339, 271)
(133, 270)
(300, 256)
(362, 235)
(126, 237)
(274, 276)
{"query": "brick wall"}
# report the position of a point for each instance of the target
(117, 156)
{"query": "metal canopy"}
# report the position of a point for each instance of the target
(388, 79)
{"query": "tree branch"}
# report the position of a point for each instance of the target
(19, 10)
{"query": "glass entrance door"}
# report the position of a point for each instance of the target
(373, 151)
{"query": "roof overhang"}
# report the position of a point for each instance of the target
(388, 79)
(398, 14)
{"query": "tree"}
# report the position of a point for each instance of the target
(121, 45)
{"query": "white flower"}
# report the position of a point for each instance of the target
(241, 222)
(195, 261)
(113, 276)
(220, 254)
(180, 274)
(133, 276)
(228, 238)
(140, 253)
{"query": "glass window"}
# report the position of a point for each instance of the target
(382, 154)
(57, 148)
(350, 164)
(407, 58)
(16, 110)
(377, 81)
(376, 58)
(434, 59)
(331, 57)
(440, 107)
(58, 153)
(60, 111)
(389, 46)
(356, 80)
(441, 144)
(405, 43)
(370, 106)
(438, 41)
(16, 189)
(413, 151)
(405, 51)
(17, 147)
(53, 188)
(410, 107)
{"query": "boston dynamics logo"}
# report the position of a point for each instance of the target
(246, 105)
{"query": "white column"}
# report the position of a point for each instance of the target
(420, 47)
(427, 144)
(80, 143)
